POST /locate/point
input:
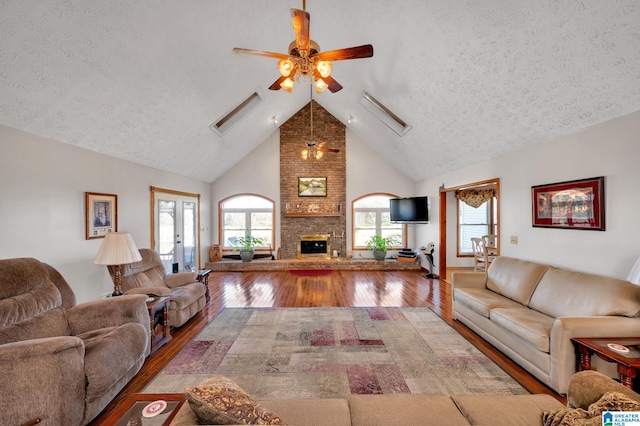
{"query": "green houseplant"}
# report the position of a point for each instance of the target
(246, 247)
(379, 245)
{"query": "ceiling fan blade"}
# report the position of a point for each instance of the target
(333, 85)
(276, 84)
(328, 149)
(357, 52)
(242, 51)
(300, 20)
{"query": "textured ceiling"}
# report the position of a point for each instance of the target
(142, 80)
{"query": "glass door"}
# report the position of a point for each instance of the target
(175, 230)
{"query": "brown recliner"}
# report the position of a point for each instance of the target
(149, 277)
(63, 363)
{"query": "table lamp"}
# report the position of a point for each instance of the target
(634, 275)
(117, 249)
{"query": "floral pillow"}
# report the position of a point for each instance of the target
(221, 401)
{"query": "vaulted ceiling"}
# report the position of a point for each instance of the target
(142, 80)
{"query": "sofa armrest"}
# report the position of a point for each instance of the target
(587, 387)
(43, 379)
(563, 352)
(469, 280)
(110, 312)
(180, 279)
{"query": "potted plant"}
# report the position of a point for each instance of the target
(246, 247)
(379, 245)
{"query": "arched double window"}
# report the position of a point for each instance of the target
(371, 216)
(246, 214)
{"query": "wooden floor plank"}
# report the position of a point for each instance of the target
(338, 289)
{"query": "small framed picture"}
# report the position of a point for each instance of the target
(576, 204)
(312, 186)
(101, 214)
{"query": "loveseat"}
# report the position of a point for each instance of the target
(365, 410)
(589, 394)
(530, 312)
(60, 362)
(149, 277)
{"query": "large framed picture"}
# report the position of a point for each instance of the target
(312, 186)
(576, 204)
(101, 214)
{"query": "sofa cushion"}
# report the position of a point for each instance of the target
(505, 410)
(573, 294)
(482, 300)
(109, 354)
(221, 401)
(531, 326)
(404, 409)
(514, 278)
(179, 279)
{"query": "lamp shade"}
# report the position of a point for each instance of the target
(117, 249)
(634, 275)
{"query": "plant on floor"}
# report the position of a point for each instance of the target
(379, 245)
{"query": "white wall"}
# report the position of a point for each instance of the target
(259, 173)
(610, 149)
(42, 187)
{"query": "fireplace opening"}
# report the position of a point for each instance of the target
(314, 246)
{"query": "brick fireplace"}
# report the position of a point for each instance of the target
(312, 215)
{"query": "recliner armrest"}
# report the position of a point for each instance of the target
(43, 379)
(110, 312)
(180, 279)
(151, 291)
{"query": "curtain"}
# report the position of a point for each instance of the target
(475, 197)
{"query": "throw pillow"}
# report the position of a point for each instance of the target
(610, 401)
(221, 401)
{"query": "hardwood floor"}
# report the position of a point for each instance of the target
(339, 289)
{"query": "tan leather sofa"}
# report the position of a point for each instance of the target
(60, 362)
(149, 277)
(530, 312)
(405, 410)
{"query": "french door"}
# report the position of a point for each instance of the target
(175, 227)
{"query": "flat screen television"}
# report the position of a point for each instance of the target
(409, 210)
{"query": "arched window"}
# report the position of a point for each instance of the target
(246, 214)
(371, 217)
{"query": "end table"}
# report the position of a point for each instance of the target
(159, 321)
(605, 347)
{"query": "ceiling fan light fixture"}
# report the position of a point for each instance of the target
(287, 85)
(305, 154)
(320, 85)
(324, 68)
(285, 66)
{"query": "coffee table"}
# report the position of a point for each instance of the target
(604, 347)
(129, 413)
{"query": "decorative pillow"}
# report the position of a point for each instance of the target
(221, 401)
(610, 401)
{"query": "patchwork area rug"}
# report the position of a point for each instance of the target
(334, 352)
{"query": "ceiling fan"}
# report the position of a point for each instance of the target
(305, 59)
(314, 149)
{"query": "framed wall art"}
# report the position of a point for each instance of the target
(312, 186)
(576, 204)
(101, 214)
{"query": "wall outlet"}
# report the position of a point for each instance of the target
(514, 239)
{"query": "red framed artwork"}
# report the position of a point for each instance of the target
(576, 204)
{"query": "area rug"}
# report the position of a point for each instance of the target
(310, 272)
(335, 352)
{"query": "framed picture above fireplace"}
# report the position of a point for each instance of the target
(312, 186)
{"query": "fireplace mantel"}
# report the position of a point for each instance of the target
(312, 214)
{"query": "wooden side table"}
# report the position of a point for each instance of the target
(130, 411)
(628, 362)
(159, 321)
(203, 277)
